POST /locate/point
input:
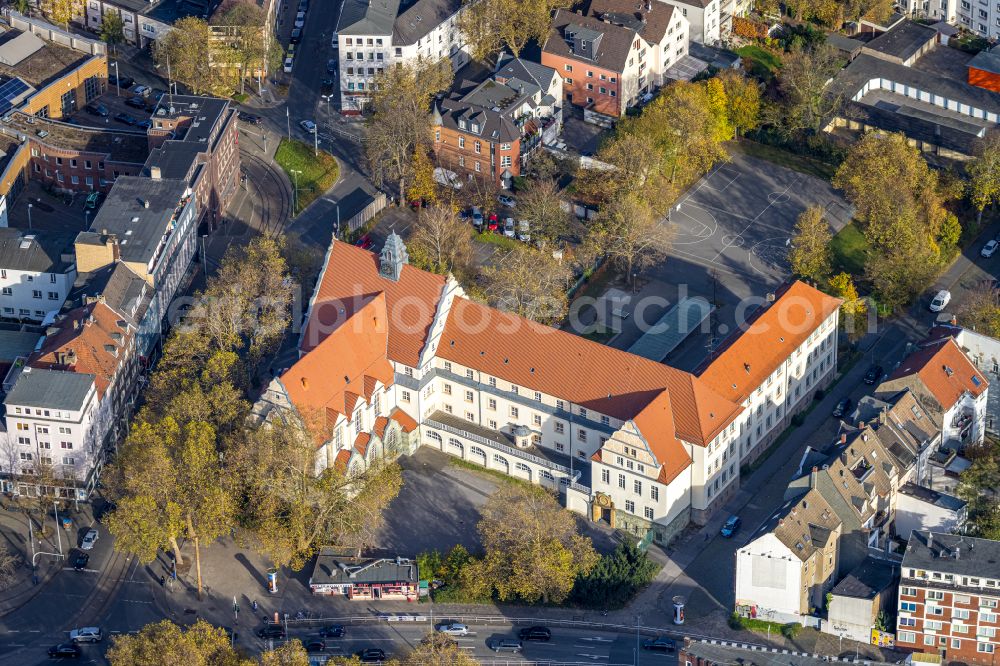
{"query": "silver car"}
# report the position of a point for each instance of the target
(89, 539)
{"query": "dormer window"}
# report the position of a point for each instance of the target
(474, 128)
(461, 124)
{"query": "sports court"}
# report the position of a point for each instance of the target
(739, 217)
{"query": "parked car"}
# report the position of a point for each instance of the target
(365, 242)
(331, 66)
(308, 126)
(535, 634)
(506, 200)
(125, 82)
(990, 248)
(136, 103)
(730, 526)
(453, 629)
(843, 408)
(86, 635)
(89, 539)
(370, 655)
(249, 118)
(93, 199)
(271, 630)
(141, 90)
(144, 124)
(296, 36)
(316, 646)
(524, 231)
(660, 644)
(287, 68)
(333, 631)
(873, 375)
(940, 301)
(97, 110)
(509, 230)
(300, 20)
(477, 218)
(65, 651)
(493, 223)
(126, 118)
(505, 645)
(81, 561)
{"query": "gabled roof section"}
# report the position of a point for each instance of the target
(749, 356)
(591, 375)
(943, 369)
(328, 380)
(656, 425)
(351, 279)
(805, 524)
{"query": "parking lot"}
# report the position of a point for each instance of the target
(115, 105)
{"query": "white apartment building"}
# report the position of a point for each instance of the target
(938, 10)
(37, 270)
(142, 22)
(53, 418)
(394, 358)
(372, 35)
(705, 18)
(980, 16)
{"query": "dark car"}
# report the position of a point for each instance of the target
(144, 124)
(333, 631)
(136, 102)
(65, 651)
(535, 634)
(843, 408)
(126, 118)
(249, 118)
(331, 66)
(81, 561)
(370, 655)
(316, 646)
(365, 242)
(873, 375)
(730, 527)
(326, 84)
(121, 81)
(660, 644)
(296, 36)
(271, 631)
(97, 110)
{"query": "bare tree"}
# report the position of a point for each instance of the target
(440, 242)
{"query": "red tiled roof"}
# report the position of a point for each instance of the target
(361, 443)
(343, 457)
(405, 421)
(379, 427)
(93, 335)
(655, 422)
(945, 370)
(606, 380)
(774, 332)
(351, 277)
(318, 383)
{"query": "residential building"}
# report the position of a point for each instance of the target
(858, 599)
(904, 44)
(940, 10)
(37, 271)
(904, 428)
(490, 131)
(614, 53)
(949, 387)
(714, 652)
(710, 20)
(145, 22)
(919, 508)
(980, 17)
(385, 579)
(948, 597)
(984, 352)
(372, 35)
(394, 358)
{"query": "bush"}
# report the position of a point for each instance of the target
(615, 579)
(790, 631)
(736, 621)
(798, 419)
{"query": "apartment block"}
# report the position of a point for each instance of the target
(37, 271)
(948, 597)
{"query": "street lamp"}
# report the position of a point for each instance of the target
(118, 85)
(29, 217)
(327, 98)
(295, 192)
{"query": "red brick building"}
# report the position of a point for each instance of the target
(948, 597)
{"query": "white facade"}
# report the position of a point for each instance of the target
(938, 10)
(138, 29)
(771, 575)
(980, 16)
(30, 294)
(705, 22)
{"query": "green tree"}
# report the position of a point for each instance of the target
(490, 26)
(810, 254)
(292, 653)
(438, 649)
(743, 103)
(631, 235)
(981, 310)
(186, 52)
(113, 29)
(400, 123)
(168, 643)
(853, 308)
(61, 12)
(979, 486)
(544, 209)
(422, 188)
(532, 549)
(804, 101)
(615, 578)
(984, 173)
(22, 7)
(9, 562)
(247, 44)
(528, 282)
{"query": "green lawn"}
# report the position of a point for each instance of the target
(849, 248)
(761, 63)
(316, 173)
(785, 158)
(497, 239)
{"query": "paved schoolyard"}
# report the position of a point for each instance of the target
(739, 218)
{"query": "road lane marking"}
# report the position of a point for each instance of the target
(595, 657)
(598, 638)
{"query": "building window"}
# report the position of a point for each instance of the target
(560, 427)
(621, 481)
(630, 506)
(581, 435)
(513, 412)
(568, 68)
(637, 487)
(930, 640)
(447, 389)
(35, 293)
(405, 396)
(491, 403)
(493, 382)
(505, 161)
(648, 511)
(478, 147)
(461, 142)
(605, 476)
(468, 396)
(654, 493)
(538, 396)
(478, 167)
(985, 647)
(536, 419)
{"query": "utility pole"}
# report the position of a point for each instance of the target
(288, 124)
(118, 85)
(315, 140)
(295, 193)
(29, 217)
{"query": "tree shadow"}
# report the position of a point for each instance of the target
(257, 576)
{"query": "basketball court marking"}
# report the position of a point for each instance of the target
(774, 198)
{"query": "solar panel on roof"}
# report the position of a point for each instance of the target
(9, 91)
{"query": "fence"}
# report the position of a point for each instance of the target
(366, 214)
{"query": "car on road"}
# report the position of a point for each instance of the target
(65, 651)
(287, 67)
(843, 408)
(125, 82)
(296, 36)
(730, 526)
(453, 629)
(370, 655)
(89, 539)
(136, 103)
(97, 110)
(506, 200)
(331, 66)
(316, 646)
(535, 634)
(660, 644)
(477, 217)
(81, 561)
(249, 118)
(86, 635)
(940, 301)
(990, 248)
(873, 375)
(300, 20)
(509, 230)
(144, 124)
(333, 631)
(308, 126)
(271, 630)
(505, 645)
(126, 118)
(93, 199)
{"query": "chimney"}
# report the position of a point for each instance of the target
(154, 172)
(305, 383)
(930, 539)
(813, 477)
(881, 417)
(145, 203)
(746, 366)
(958, 552)
(861, 425)
(843, 438)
